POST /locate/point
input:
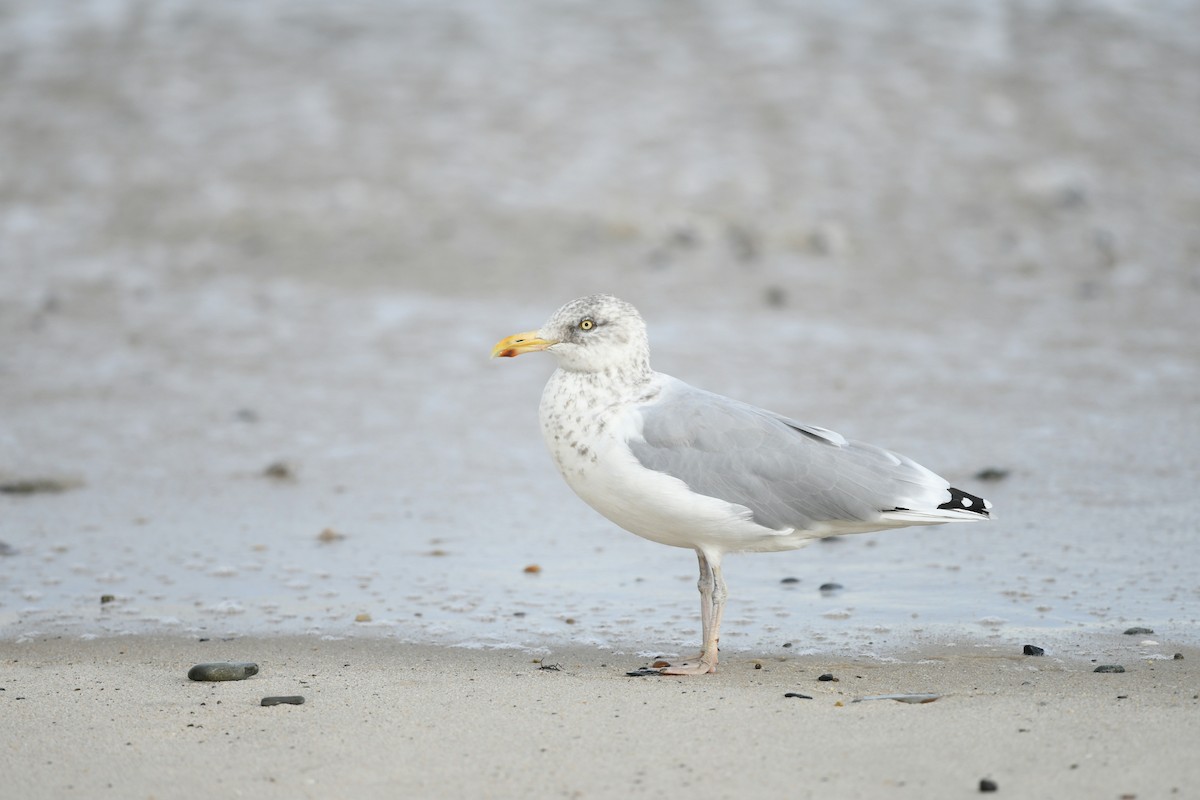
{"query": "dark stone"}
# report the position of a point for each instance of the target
(991, 474)
(790, 580)
(39, 486)
(1179, 656)
(1109, 668)
(797, 695)
(830, 587)
(282, 700)
(1033, 650)
(643, 672)
(987, 785)
(1137, 631)
(107, 598)
(223, 671)
(828, 676)
(280, 471)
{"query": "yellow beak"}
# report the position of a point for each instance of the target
(518, 343)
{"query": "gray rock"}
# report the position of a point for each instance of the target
(1109, 668)
(223, 671)
(1033, 650)
(284, 700)
(1137, 631)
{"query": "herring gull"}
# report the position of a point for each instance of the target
(689, 468)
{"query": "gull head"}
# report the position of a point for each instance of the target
(596, 333)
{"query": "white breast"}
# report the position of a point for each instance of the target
(586, 429)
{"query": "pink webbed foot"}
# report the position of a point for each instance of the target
(689, 667)
(697, 665)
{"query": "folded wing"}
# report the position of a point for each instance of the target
(789, 476)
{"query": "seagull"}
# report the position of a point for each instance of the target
(688, 468)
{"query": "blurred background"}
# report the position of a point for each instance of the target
(253, 257)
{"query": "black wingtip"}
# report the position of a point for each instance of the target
(965, 501)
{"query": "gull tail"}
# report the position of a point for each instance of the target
(961, 507)
(961, 501)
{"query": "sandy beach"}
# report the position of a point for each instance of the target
(118, 717)
(253, 257)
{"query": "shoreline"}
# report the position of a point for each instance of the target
(383, 718)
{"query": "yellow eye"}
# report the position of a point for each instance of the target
(586, 325)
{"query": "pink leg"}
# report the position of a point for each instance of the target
(712, 609)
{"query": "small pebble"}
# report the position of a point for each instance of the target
(1034, 650)
(1137, 631)
(223, 671)
(7, 549)
(643, 672)
(284, 700)
(986, 785)
(790, 580)
(363, 617)
(107, 598)
(797, 695)
(533, 569)
(828, 676)
(830, 587)
(1109, 668)
(1179, 656)
(991, 474)
(279, 470)
(39, 486)
(329, 535)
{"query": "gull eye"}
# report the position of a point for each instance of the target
(586, 324)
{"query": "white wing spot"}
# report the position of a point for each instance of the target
(966, 501)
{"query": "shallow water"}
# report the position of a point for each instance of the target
(220, 256)
(428, 461)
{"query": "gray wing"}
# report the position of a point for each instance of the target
(788, 474)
